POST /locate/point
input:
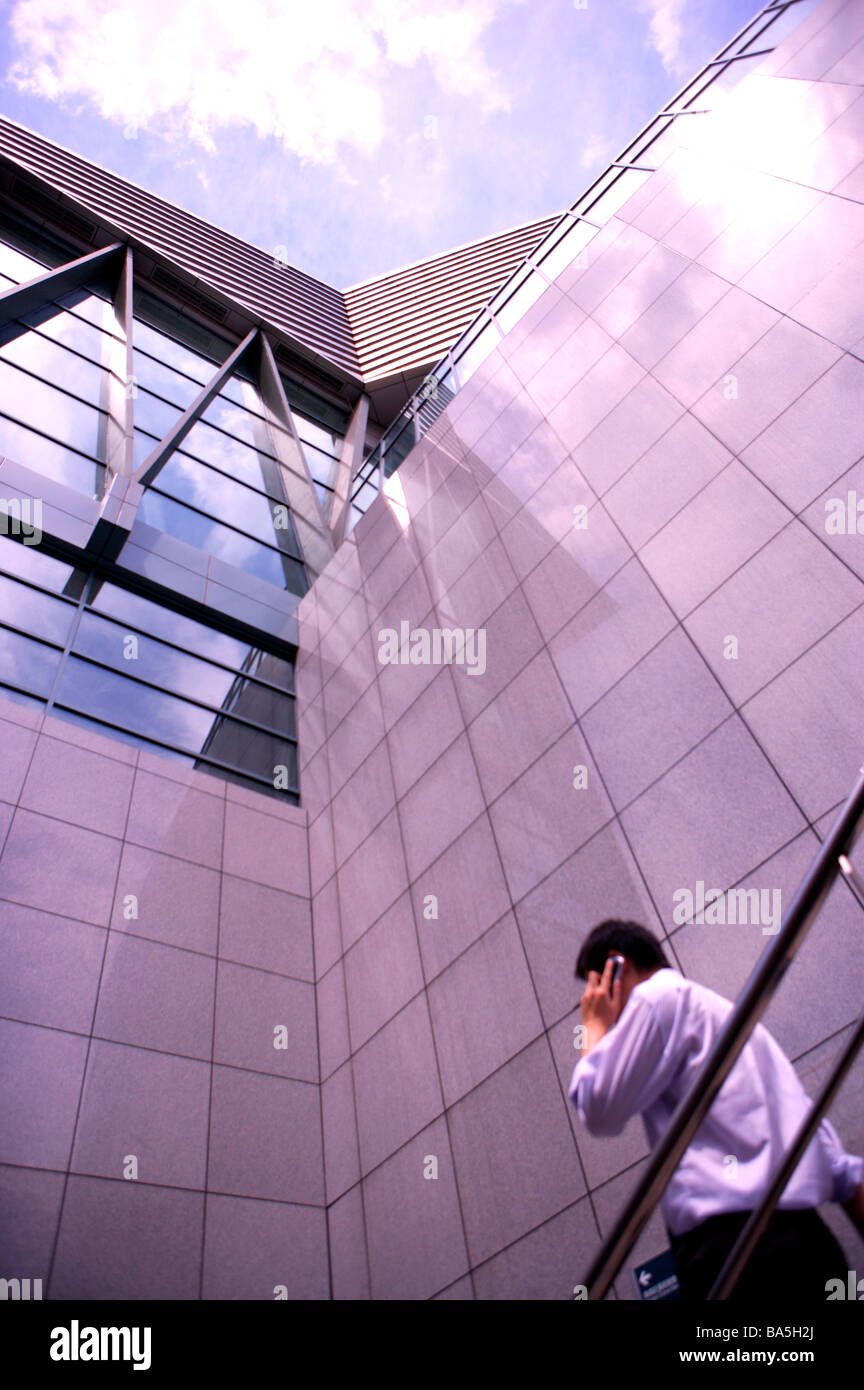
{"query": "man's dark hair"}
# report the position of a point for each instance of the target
(638, 944)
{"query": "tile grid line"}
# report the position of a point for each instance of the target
(86, 1066)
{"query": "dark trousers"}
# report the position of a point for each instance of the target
(794, 1259)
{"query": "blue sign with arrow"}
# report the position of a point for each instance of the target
(658, 1278)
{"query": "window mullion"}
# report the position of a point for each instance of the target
(152, 466)
(43, 289)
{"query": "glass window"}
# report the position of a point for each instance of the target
(232, 456)
(591, 194)
(27, 663)
(29, 562)
(244, 393)
(47, 456)
(171, 335)
(108, 730)
(171, 385)
(145, 615)
(54, 362)
(207, 534)
(322, 439)
(93, 309)
(322, 466)
(199, 694)
(663, 143)
(520, 302)
(564, 253)
(781, 24)
(365, 495)
(247, 526)
(194, 692)
(370, 463)
(119, 699)
(287, 446)
(236, 421)
(40, 407)
(17, 697)
(732, 73)
(186, 480)
(629, 181)
(142, 447)
(693, 94)
(71, 331)
(260, 752)
(153, 416)
(507, 290)
(18, 267)
(315, 407)
(265, 666)
(258, 704)
(469, 360)
(36, 404)
(45, 249)
(145, 658)
(207, 446)
(634, 151)
(398, 449)
(107, 642)
(35, 612)
(165, 717)
(170, 352)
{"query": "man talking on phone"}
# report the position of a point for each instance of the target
(647, 1032)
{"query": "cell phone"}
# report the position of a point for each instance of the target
(616, 972)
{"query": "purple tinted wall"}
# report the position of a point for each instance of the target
(155, 931)
(629, 499)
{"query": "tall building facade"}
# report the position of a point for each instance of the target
(327, 739)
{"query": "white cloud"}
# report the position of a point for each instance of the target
(666, 30)
(309, 74)
(597, 149)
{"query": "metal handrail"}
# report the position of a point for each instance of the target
(757, 995)
(746, 1242)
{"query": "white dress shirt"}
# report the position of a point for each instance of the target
(649, 1060)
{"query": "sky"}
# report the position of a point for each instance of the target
(350, 137)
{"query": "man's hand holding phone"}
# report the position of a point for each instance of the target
(602, 1002)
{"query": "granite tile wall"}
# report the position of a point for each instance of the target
(155, 931)
(628, 498)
